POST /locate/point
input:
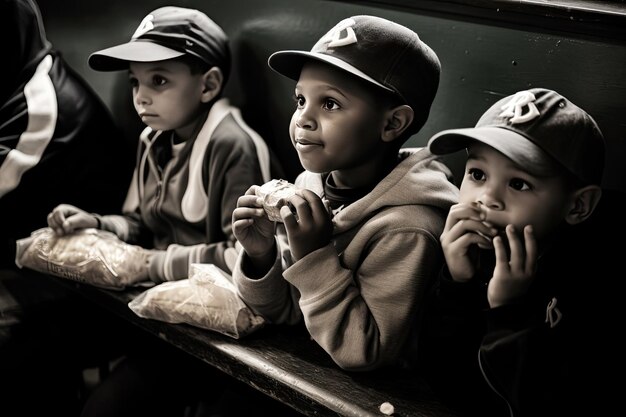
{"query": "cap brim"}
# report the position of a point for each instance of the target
(514, 146)
(290, 63)
(117, 57)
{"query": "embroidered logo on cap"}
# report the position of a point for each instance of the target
(514, 109)
(341, 35)
(146, 25)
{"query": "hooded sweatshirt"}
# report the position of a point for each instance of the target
(361, 295)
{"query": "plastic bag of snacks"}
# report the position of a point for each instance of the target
(207, 299)
(90, 256)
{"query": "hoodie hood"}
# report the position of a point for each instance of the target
(419, 179)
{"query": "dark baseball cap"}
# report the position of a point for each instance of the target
(379, 51)
(528, 125)
(166, 33)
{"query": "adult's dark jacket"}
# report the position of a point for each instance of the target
(58, 142)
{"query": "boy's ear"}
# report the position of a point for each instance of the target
(212, 84)
(584, 202)
(397, 120)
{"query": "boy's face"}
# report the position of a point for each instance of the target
(166, 95)
(337, 123)
(507, 194)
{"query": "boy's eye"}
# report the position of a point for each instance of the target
(158, 80)
(133, 82)
(519, 184)
(299, 99)
(476, 174)
(330, 104)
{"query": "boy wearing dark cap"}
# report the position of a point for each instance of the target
(196, 156)
(513, 322)
(358, 244)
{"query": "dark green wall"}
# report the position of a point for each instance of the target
(482, 60)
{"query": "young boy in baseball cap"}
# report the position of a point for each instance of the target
(195, 158)
(357, 245)
(518, 254)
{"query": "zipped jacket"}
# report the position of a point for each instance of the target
(183, 202)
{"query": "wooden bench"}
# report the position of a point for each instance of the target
(281, 362)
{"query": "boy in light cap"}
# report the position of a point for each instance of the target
(358, 244)
(195, 158)
(518, 246)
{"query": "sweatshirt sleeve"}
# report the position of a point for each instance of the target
(127, 227)
(362, 318)
(270, 296)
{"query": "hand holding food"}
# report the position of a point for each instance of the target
(275, 194)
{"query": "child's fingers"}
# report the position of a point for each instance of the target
(502, 261)
(300, 205)
(252, 190)
(465, 226)
(247, 213)
(531, 250)
(56, 219)
(51, 220)
(241, 224)
(249, 200)
(65, 219)
(54, 224)
(463, 211)
(518, 252)
(468, 239)
(289, 218)
(68, 226)
(58, 216)
(78, 220)
(317, 207)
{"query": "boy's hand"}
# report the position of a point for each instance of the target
(309, 226)
(253, 229)
(512, 276)
(464, 233)
(65, 219)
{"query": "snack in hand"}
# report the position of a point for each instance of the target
(275, 193)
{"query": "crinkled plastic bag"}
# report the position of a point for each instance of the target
(207, 299)
(90, 256)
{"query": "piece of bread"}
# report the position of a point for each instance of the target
(275, 193)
